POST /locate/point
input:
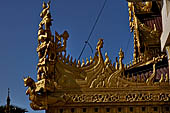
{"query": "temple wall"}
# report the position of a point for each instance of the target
(112, 109)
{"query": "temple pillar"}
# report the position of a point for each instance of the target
(168, 56)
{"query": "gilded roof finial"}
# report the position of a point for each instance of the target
(121, 56)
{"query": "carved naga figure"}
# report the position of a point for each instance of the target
(39, 98)
(150, 80)
(98, 48)
(33, 96)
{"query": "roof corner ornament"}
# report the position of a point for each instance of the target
(48, 48)
(48, 51)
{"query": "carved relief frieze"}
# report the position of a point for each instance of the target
(117, 97)
(95, 98)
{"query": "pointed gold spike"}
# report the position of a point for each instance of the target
(78, 63)
(95, 58)
(74, 63)
(67, 59)
(64, 55)
(130, 63)
(91, 59)
(87, 61)
(133, 62)
(70, 61)
(113, 64)
(64, 58)
(83, 63)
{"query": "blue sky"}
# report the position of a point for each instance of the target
(18, 33)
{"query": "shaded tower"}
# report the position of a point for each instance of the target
(8, 103)
(8, 108)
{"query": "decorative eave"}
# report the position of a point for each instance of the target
(62, 81)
